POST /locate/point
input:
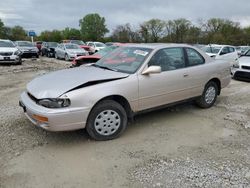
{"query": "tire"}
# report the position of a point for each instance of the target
(19, 62)
(107, 120)
(209, 95)
(66, 57)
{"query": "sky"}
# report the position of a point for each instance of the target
(40, 15)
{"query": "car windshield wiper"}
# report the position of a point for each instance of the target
(104, 67)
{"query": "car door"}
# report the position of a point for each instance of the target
(61, 51)
(58, 50)
(168, 86)
(197, 72)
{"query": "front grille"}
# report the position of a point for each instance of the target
(32, 97)
(242, 75)
(6, 53)
(245, 67)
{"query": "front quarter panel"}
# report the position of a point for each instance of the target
(91, 95)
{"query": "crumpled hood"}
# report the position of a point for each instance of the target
(244, 61)
(55, 84)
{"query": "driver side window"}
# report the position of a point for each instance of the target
(168, 59)
(224, 51)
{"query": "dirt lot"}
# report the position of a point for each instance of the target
(182, 146)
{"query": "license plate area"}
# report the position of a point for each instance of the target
(6, 58)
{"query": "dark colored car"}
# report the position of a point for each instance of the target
(28, 49)
(95, 57)
(48, 49)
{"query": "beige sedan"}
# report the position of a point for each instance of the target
(102, 97)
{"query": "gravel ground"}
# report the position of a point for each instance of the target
(182, 146)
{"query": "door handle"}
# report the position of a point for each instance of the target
(185, 75)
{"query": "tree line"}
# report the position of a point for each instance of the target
(93, 27)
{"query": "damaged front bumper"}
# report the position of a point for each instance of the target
(59, 119)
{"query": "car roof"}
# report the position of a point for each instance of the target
(220, 45)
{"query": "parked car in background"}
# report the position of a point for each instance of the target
(69, 51)
(241, 49)
(241, 69)
(224, 52)
(48, 49)
(102, 97)
(81, 60)
(39, 45)
(96, 45)
(28, 49)
(9, 54)
(89, 49)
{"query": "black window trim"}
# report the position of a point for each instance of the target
(187, 60)
(184, 56)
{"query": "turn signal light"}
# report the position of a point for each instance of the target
(40, 118)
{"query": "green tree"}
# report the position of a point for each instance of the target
(93, 27)
(2, 31)
(51, 36)
(125, 33)
(152, 30)
(71, 33)
(18, 33)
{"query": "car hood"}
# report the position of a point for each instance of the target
(244, 60)
(3, 49)
(26, 48)
(55, 84)
(75, 50)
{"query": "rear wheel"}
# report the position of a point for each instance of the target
(209, 95)
(106, 121)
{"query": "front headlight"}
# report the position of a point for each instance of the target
(18, 52)
(54, 103)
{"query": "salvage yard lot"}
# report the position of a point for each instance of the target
(181, 146)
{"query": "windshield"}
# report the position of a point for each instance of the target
(99, 44)
(6, 44)
(211, 49)
(25, 44)
(106, 50)
(71, 46)
(247, 53)
(52, 44)
(125, 59)
(79, 42)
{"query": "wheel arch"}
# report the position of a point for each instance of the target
(122, 101)
(218, 83)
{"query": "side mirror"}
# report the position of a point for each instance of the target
(152, 70)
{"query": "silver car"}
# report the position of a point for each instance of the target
(9, 53)
(69, 51)
(102, 97)
(241, 69)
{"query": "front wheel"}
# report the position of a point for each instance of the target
(106, 121)
(209, 95)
